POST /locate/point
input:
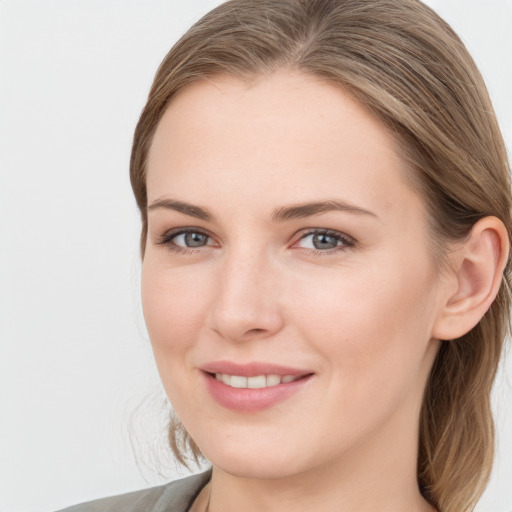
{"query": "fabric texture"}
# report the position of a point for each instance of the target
(176, 496)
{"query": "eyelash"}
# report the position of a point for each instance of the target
(346, 241)
(166, 240)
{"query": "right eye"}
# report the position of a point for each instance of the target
(190, 239)
(184, 240)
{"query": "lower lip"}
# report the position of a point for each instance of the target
(252, 400)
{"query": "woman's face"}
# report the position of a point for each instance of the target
(286, 250)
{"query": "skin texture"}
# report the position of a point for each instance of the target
(363, 316)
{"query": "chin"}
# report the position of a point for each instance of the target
(255, 461)
(259, 470)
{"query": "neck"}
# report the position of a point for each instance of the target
(230, 494)
(381, 475)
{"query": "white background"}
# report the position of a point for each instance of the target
(75, 362)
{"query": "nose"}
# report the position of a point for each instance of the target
(247, 303)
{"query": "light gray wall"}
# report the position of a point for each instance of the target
(74, 356)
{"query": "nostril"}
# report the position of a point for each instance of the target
(238, 319)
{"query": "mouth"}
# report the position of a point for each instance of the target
(253, 387)
(256, 382)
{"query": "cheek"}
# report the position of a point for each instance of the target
(173, 306)
(372, 333)
(372, 327)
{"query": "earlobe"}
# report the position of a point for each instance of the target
(478, 271)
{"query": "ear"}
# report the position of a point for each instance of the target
(476, 276)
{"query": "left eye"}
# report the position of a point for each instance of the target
(323, 240)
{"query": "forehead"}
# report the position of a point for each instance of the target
(286, 137)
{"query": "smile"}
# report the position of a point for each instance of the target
(257, 382)
(253, 387)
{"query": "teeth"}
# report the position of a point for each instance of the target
(273, 380)
(238, 382)
(258, 382)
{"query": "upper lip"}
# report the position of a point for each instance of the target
(251, 369)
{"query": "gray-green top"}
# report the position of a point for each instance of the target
(175, 496)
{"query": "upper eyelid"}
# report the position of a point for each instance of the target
(166, 239)
(179, 231)
(350, 240)
(306, 231)
(333, 232)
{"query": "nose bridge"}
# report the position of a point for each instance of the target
(247, 299)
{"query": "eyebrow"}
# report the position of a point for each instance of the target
(181, 207)
(281, 214)
(301, 211)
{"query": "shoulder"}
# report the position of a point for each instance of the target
(175, 496)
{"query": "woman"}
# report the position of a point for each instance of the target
(326, 226)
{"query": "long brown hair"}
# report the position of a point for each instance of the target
(408, 67)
